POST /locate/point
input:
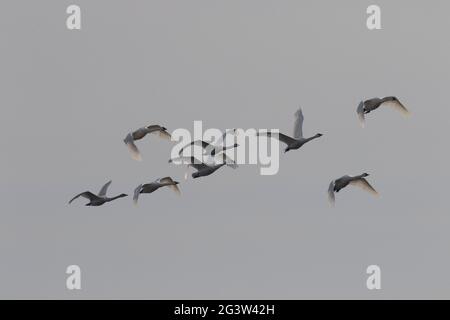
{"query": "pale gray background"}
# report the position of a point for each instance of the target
(69, 97)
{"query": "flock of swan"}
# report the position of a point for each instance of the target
(217, 150)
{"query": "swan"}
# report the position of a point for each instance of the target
(101, 198)
(342, 182)
(141, 133)
(202, 168)
(298, 140)
(367, 106)
(215, 149)
(155, 185)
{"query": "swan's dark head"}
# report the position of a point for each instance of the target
(236, 145)
(287, 149)
(195, 175)
(122, 195)
(365, 175)
(319, 135)
(176, 182)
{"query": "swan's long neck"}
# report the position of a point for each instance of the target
(312, 138)
(116, 197)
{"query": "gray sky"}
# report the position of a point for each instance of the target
(69, 97)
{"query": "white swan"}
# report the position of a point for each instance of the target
(155, 185)
(298, 140)
(368, 106)
(203, 169)
(215, 149)
(101, 198)
(342, 182)
(141, 133)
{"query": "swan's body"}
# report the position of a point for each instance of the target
(342, 182)
(155, 185)
(101, 198)
(141, 133)
(298, 140)
(202, 168)
(215, 149)
(368, 106)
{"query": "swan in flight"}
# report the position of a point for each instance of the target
(344, 181)
(218, 148)
(141, 133)
(155, 185)
(298, 140)
(203, 169)
(367, 106)
(101, 198)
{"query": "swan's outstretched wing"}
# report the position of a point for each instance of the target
(360, 112)
(280, 136)
(166, 180)
(87, 194)
(165, 135)
(159, 130)
(129, 141)
(205, 145)
(169, 182)
(286, 139)
(136, 194)
(175, 188)
(331, 197)
(362, 183)
(298, 125)
(103, 190)
(397, 105)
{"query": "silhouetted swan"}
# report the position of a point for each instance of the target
(344, 181)
(367, 106)
(202, 168)
(217, 148)
(155, 185)
(297, 141)
(101, 198)
(141, 133)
